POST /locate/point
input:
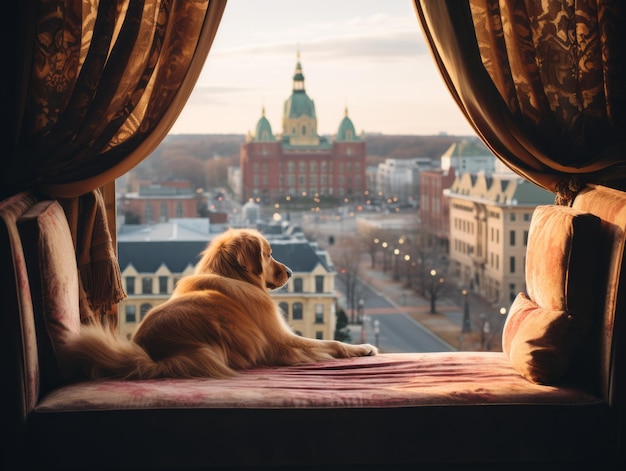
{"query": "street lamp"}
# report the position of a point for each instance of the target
(384, 245)
(467, 325)
(396, 253)
(487, 331)
(434, 287)
(483, 321)
(376, 331)
(360, 311)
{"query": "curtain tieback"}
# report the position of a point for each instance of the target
(567, 189)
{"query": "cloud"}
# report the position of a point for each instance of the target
(377, 37)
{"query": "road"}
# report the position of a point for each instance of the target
(398, 332)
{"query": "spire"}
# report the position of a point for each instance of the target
(298, 77)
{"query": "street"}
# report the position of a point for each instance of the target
(397, 332)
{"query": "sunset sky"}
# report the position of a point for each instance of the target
(366, 55)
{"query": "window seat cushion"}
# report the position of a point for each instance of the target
(389, 409)
(387, 380)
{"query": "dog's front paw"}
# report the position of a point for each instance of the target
(367, 350)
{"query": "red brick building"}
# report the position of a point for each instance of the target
(434, 206)
(159, 201)
(300, 162)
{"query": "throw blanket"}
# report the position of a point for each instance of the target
(99, 272)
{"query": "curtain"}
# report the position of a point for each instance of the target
(543, 83)
(98, 84)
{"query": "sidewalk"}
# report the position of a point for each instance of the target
(446, 323)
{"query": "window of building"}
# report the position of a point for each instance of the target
(131, 313)
(512, 292)
(148, 213)
(319, 313)
(163, 284)
(297, 285)
(512, 238)
(146, 285)
(319, 335)
(130, 284)
(179, 209)
(512, 264)
(512, 217)
(296, 311)
(143, 310)
(319, 283)
(525, 238)
(163, 214)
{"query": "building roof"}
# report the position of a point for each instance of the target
(346, 130)
(197, 229)
(499, 190)
(263, 132)
(299, 103)
(148, 256)
(299, 255)
(468, 148)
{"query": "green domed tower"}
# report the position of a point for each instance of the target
(263, 132)
(299, 118)
(346, 132)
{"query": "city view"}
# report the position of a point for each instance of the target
(412, 253)
(413, 242)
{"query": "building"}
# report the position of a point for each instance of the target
(154, 202)
(308, 300)
(399, 178)
(469, 155)
(153, 258)
(489, 221)
(300, 162)
(434, 207)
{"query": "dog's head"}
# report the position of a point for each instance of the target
(244, 254)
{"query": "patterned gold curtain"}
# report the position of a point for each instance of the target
(98, 84)
(542, 83)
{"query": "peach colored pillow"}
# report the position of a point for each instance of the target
(544, 328)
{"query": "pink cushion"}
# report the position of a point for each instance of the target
(561, 259)
(538, 341)
(51, 263)
(543, 329)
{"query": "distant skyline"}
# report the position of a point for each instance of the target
(368, 56)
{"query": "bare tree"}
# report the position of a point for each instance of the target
(348, 260)
(435, 289)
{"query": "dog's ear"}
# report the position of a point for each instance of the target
(250, 253)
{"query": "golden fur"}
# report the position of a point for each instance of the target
(219, 320)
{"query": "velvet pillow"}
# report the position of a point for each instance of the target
(544, 328)
(53, 275)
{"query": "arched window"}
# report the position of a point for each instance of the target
(297, 311)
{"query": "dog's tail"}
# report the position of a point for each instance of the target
(99, 352)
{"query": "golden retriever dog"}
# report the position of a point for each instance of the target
(219, 320)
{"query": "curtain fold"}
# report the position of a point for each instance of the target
(543, 84)
(98, 85)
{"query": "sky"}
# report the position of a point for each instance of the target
(366, 56)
